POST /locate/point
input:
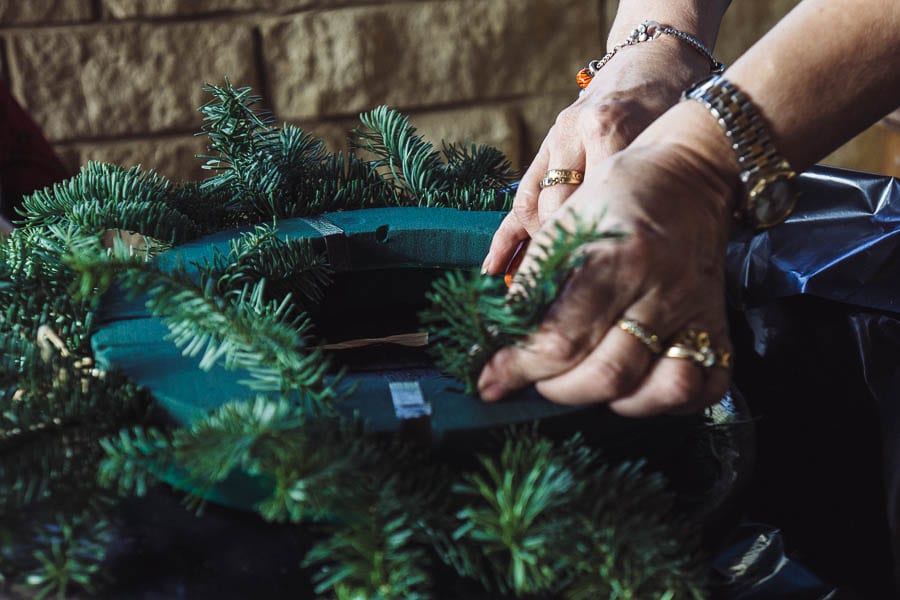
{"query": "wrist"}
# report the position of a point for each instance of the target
(689, 130)
(644, 34)
(697, 18)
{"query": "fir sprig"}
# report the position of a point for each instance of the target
(69, 553)
(34, 288)
(103, 197)
(374, 556)
(520, 514)
(243, 331)
(472, 316)
(263, 171)
(412, 162)
(289, 266)
(555, 518)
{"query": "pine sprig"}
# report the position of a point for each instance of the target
(468, 320)
(244, 331)
(520, 513)
(104, 197)
(241, 146)
(472, 316)
(412, 163)
(154, 219)
(476, 178)
(477, 167)
(68, 554)
(374, 554)
(103, 183)
(289, 266)
(134, 459)
(555, 518)
(634, 544)
(34, 287)
(50, 425)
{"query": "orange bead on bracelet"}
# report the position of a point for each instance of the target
(584, 77)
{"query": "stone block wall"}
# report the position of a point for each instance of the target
(120, 80)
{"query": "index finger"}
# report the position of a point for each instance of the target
(526, 203)
(522, 221)
(569, 331)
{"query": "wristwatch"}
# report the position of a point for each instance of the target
(767, 177)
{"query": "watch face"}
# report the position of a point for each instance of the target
(772, 199)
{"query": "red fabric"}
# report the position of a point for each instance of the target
(27, 161)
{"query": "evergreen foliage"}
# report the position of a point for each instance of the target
(547, 515)
(238, 327)
(471, 316)
(474, 177)
(536, 517)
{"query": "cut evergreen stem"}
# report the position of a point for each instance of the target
(412, 340)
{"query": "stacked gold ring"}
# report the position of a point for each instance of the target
(646, 337)
(564, 176)
(694, 345)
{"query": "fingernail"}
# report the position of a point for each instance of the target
(486, 265)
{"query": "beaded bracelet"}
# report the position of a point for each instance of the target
(646, 32)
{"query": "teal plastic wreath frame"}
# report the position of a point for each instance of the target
(384, 261)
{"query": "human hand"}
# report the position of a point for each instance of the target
(667, 274)
(625, 96)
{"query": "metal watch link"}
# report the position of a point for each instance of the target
(767, 177)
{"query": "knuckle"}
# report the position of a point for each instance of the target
(613, 378)
(606, 116)
(556, 347)
(567, 119)
(525, 207)
(681, 389)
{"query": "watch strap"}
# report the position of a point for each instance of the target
(760, 162)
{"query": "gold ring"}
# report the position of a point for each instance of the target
(694, 345)
(558, 176)
(651, 340)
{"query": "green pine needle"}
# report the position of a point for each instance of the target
(410, 161)
(472, 316)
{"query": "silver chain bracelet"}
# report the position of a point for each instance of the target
(645, 32)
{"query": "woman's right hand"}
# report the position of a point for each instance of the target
(637, 85)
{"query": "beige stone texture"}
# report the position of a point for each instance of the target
(120, 80)
(126, 79)
(129, 9)
(172, 156)
(416, 55)
(70, 156)
(496, 126)
(18, 12)
(745, 23)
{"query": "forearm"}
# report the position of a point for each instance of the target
(700, 18)
(826, 72)
(829, 69)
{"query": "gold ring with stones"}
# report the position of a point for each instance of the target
(694, 345)
(651, 340)
(558, 176)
